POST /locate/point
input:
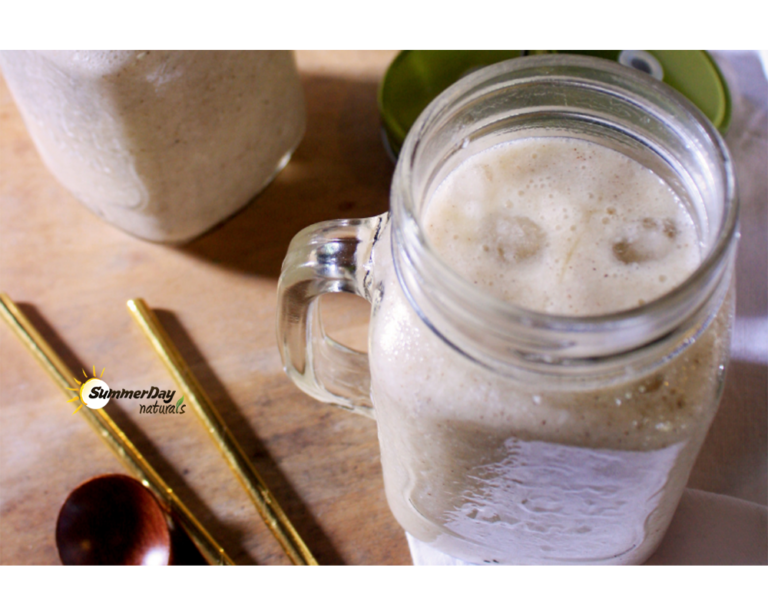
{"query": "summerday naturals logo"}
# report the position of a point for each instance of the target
(95, 393)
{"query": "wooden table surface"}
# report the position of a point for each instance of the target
(72, 274)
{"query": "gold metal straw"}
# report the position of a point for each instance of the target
(111, 433)
(265, 502)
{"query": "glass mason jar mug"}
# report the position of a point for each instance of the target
(509, 435)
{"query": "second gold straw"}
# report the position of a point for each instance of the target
(257, 489)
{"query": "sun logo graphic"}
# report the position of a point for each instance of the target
(93, 393)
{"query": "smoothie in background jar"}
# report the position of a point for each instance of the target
(162, 144)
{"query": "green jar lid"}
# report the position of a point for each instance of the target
(415, 78)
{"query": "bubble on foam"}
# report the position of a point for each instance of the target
(649, 239)
(516, 238)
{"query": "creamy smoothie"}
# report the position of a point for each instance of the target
(562, 226)
(498, 469)
(163, 144)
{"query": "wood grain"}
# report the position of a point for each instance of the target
(72, 274)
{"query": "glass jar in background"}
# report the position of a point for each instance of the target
(161, 144)
(507, 435)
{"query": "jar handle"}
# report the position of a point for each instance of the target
(331, 256)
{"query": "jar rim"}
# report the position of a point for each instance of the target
(485, 307)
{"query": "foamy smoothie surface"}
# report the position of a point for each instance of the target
(562, 225)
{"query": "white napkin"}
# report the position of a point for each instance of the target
(764, 58)
(707, 529)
